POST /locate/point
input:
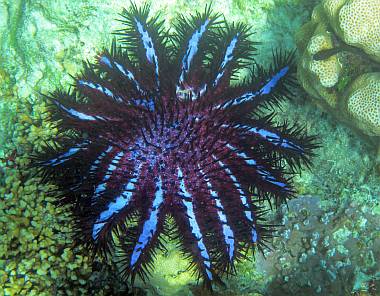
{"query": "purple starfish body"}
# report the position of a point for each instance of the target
(159, 133)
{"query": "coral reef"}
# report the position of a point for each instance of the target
(37, 252)
(35, 256)
(42, 41)
(357, 23)
(329, 242)
(340, 62)
(326, 259)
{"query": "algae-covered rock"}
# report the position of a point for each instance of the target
(338, 46)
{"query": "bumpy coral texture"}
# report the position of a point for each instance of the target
(360, 23)
(327, 70)
(36, 257)
(159, 140)
(331, 7)
(364, 102)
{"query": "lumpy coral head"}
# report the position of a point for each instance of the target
(158, 129)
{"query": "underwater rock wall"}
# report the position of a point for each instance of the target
(330, 237)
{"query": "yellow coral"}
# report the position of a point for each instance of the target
(359, 21)
(332, 7)
(327, 70)
(36, 255)
(318, 15)
(364, 102)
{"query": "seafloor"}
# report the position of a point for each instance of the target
(330, 242)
